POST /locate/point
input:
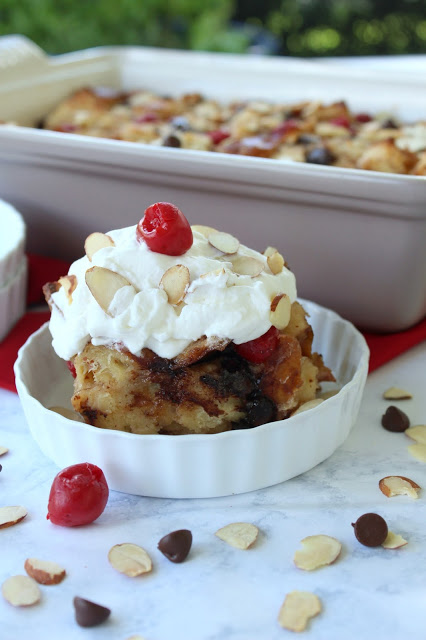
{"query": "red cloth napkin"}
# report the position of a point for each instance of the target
(385, 347)
(41, 270)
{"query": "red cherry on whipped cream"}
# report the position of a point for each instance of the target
(261, 348)
(165, 229)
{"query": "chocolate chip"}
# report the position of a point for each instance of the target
(389, 124)
(307, 138)
(89, 614)
(320, 155)
(395, 420)
(171, 141)
(370, 529)
(176, 545)
(1, 467)
(260, 410)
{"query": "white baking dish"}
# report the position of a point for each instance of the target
(355, 239)
(197, 466)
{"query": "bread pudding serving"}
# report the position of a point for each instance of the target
(173, 329)
(307, 131)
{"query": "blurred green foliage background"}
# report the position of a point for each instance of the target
(284, 27)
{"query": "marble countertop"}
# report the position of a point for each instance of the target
(221, 593)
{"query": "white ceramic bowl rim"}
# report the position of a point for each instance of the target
(197, 466)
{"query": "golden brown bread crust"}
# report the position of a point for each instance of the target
(386, 157)
(209, 388)
(420, 167)
(116, 390)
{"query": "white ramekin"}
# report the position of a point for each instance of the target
(12, 242)
(13, 298)
(197, 466)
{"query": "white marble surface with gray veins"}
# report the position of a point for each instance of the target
(221, 593)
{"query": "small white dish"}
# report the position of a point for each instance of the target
(197, 466)
(13, 298)
(12, 242)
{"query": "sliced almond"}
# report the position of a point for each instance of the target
(3, 450)
(297, 609)
(44, 571)
(276, 262)
(213, 274)
(417, 433)
(175, 282)
(130, 559)
(48, 290)
(104, 284)
(224, 242)
(11, 515)
(21, 591)
(198, 349)
(418, 451)
(399, 486)
(201, 228)
(394, 541)
(247, 266)
(179, 308)
(393, 393)
(241, 535)
(67, 413)
(318, 551)
(269, 251)
(280, 311)
(275, 301)
(96, 241)
(306, 406)
(69, 284)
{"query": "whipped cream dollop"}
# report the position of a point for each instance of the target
(218, 301)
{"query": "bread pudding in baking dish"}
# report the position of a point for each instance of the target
(309, 131)
(172, 329)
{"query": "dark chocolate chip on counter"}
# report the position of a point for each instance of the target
(176, 545)
(395, 420)
(171, 141)
(89, 614)
(320, 155)
(370, 529)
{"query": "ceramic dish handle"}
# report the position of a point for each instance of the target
(18, 53)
